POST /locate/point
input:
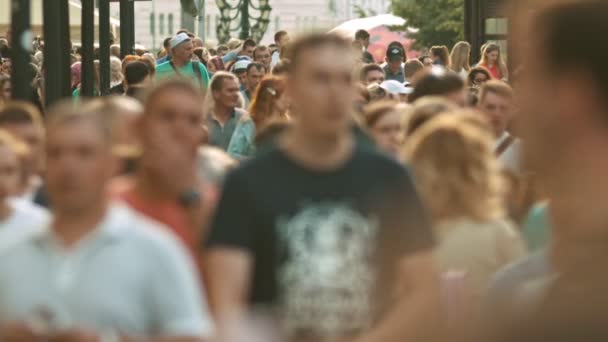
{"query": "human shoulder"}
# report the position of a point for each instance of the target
(383, 166)
(164, 66)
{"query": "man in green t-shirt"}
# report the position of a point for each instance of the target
(181, 63)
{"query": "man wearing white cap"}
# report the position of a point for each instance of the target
(181, 64)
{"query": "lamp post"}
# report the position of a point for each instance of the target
(246, 12)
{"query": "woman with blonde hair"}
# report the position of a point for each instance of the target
(268, 104)
(459, 178)
(492, 60)
(460, 59)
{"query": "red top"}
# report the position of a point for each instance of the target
(494, 71)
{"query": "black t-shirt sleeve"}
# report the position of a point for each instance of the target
(406, 225)
(234, 217)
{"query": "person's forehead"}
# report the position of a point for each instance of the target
(329, 57)
(78, 131)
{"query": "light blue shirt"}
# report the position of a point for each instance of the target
(242, 143)
(129, 276)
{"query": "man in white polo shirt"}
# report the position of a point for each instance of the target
(99, 271)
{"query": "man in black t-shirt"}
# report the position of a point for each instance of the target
(318, 231)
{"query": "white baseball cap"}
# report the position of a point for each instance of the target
(180, 38)
(241, 65)
(396, 87)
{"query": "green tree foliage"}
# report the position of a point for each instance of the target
(441, 22)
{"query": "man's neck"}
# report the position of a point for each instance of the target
(318, 152)
(178, 62)
(222, 113)
(72, 226)
(394, 70)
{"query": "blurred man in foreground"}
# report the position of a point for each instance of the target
(560, 294)
(327, 236)
(98, 271)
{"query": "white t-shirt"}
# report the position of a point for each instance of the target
(510, 158)
(25, 217)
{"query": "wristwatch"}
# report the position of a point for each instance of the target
(189, 198)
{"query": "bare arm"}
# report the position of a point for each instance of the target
(228, 273)
(415, 315)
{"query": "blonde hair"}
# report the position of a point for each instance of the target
(424, 110)
(460, 57)
(455, 167)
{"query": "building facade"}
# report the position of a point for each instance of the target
(157, 19)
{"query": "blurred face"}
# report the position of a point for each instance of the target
(428, 62)
(228, 95)
(284, 41)
(459, 97)
(497, 110)
(480, 79)
(175, 115)
(263, 57)
(254, 76)
(79, 163)
(7, 91)
(248, 51)
(33, 136)
(492, 57)
(9, 172)
(374, 76)
(6, 66)
(322, 89)
(386, 133)
(211, 68)
(183, 52)
(242, 76)
(395, 64)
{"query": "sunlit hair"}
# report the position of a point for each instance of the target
(67, 112)
(376, 111)
(262, 106)
(460, 57)
(424, 110)
(500, 63)
(20, 112)
(115, 69)
(499, 88)
(456, 170)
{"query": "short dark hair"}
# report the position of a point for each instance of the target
(258, 49)
(312, 41)
(367, 68)
(167, 43)
(279, 35)
(478, 70)
(249, 42)
(361, 34)
(190, 34)
(257, 66)
(433, 84)
(136, 72)
(566, 25)
(222, 48)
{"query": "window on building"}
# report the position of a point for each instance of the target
(207, 25)
(217, 21)
(277, 24)
(161, 23)
(152, 23)
(170, 23)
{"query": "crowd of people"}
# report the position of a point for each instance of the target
(304, 191)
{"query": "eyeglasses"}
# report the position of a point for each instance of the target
(481, 80)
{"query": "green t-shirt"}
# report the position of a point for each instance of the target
(165, 70)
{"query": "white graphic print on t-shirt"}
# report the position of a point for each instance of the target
(326, 281)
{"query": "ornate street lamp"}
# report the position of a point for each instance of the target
(243, 13)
